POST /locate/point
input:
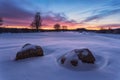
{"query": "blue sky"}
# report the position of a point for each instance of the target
(66, 12)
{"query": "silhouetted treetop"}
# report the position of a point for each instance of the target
(57, 26)
(37, 22)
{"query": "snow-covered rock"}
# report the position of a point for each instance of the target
(29, 50)
(85, 55)
(77, 57)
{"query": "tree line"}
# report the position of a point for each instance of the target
(37, 23)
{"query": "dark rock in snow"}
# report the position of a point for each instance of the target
(74, 62)
(76, 57)
(85, 55)
(28, 51)
(63, 60)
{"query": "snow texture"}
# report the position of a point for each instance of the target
(105, 47)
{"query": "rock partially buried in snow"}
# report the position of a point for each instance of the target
(85, 55)
(77, 57)
(63, 60)
(29, 50)
(74, 62)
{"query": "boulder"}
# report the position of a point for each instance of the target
(29, 50)
(85, 55)
(76, 57)
(74, 62)
(63, 60)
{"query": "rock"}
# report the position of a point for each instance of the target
(29, 50)
(74, 62)
(79, 59)
(85, 55)
(76, 57)
(63, 60)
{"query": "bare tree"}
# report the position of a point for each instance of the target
(57, 26)
(1, 21)
(37, 21)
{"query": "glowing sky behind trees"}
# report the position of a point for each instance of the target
(71, 13)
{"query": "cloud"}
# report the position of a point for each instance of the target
(56, 17)
(12, 14)
(101, 14)
(15, 15)
(9, 10)
(114, 3)
(110, 8)
(110, 25)
(53, 18)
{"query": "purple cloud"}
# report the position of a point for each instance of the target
(9, 10)
(110, 25)
(14, 15)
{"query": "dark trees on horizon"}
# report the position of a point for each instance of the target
(57, 26)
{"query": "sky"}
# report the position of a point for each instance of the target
(90, 14)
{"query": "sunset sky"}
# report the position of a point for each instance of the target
(89, 14)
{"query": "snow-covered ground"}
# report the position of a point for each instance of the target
(56, 44)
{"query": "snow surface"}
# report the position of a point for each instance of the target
(105, 46)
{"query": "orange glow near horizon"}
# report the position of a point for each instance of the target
(17, 27)
(93, 28)
(52, 28)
